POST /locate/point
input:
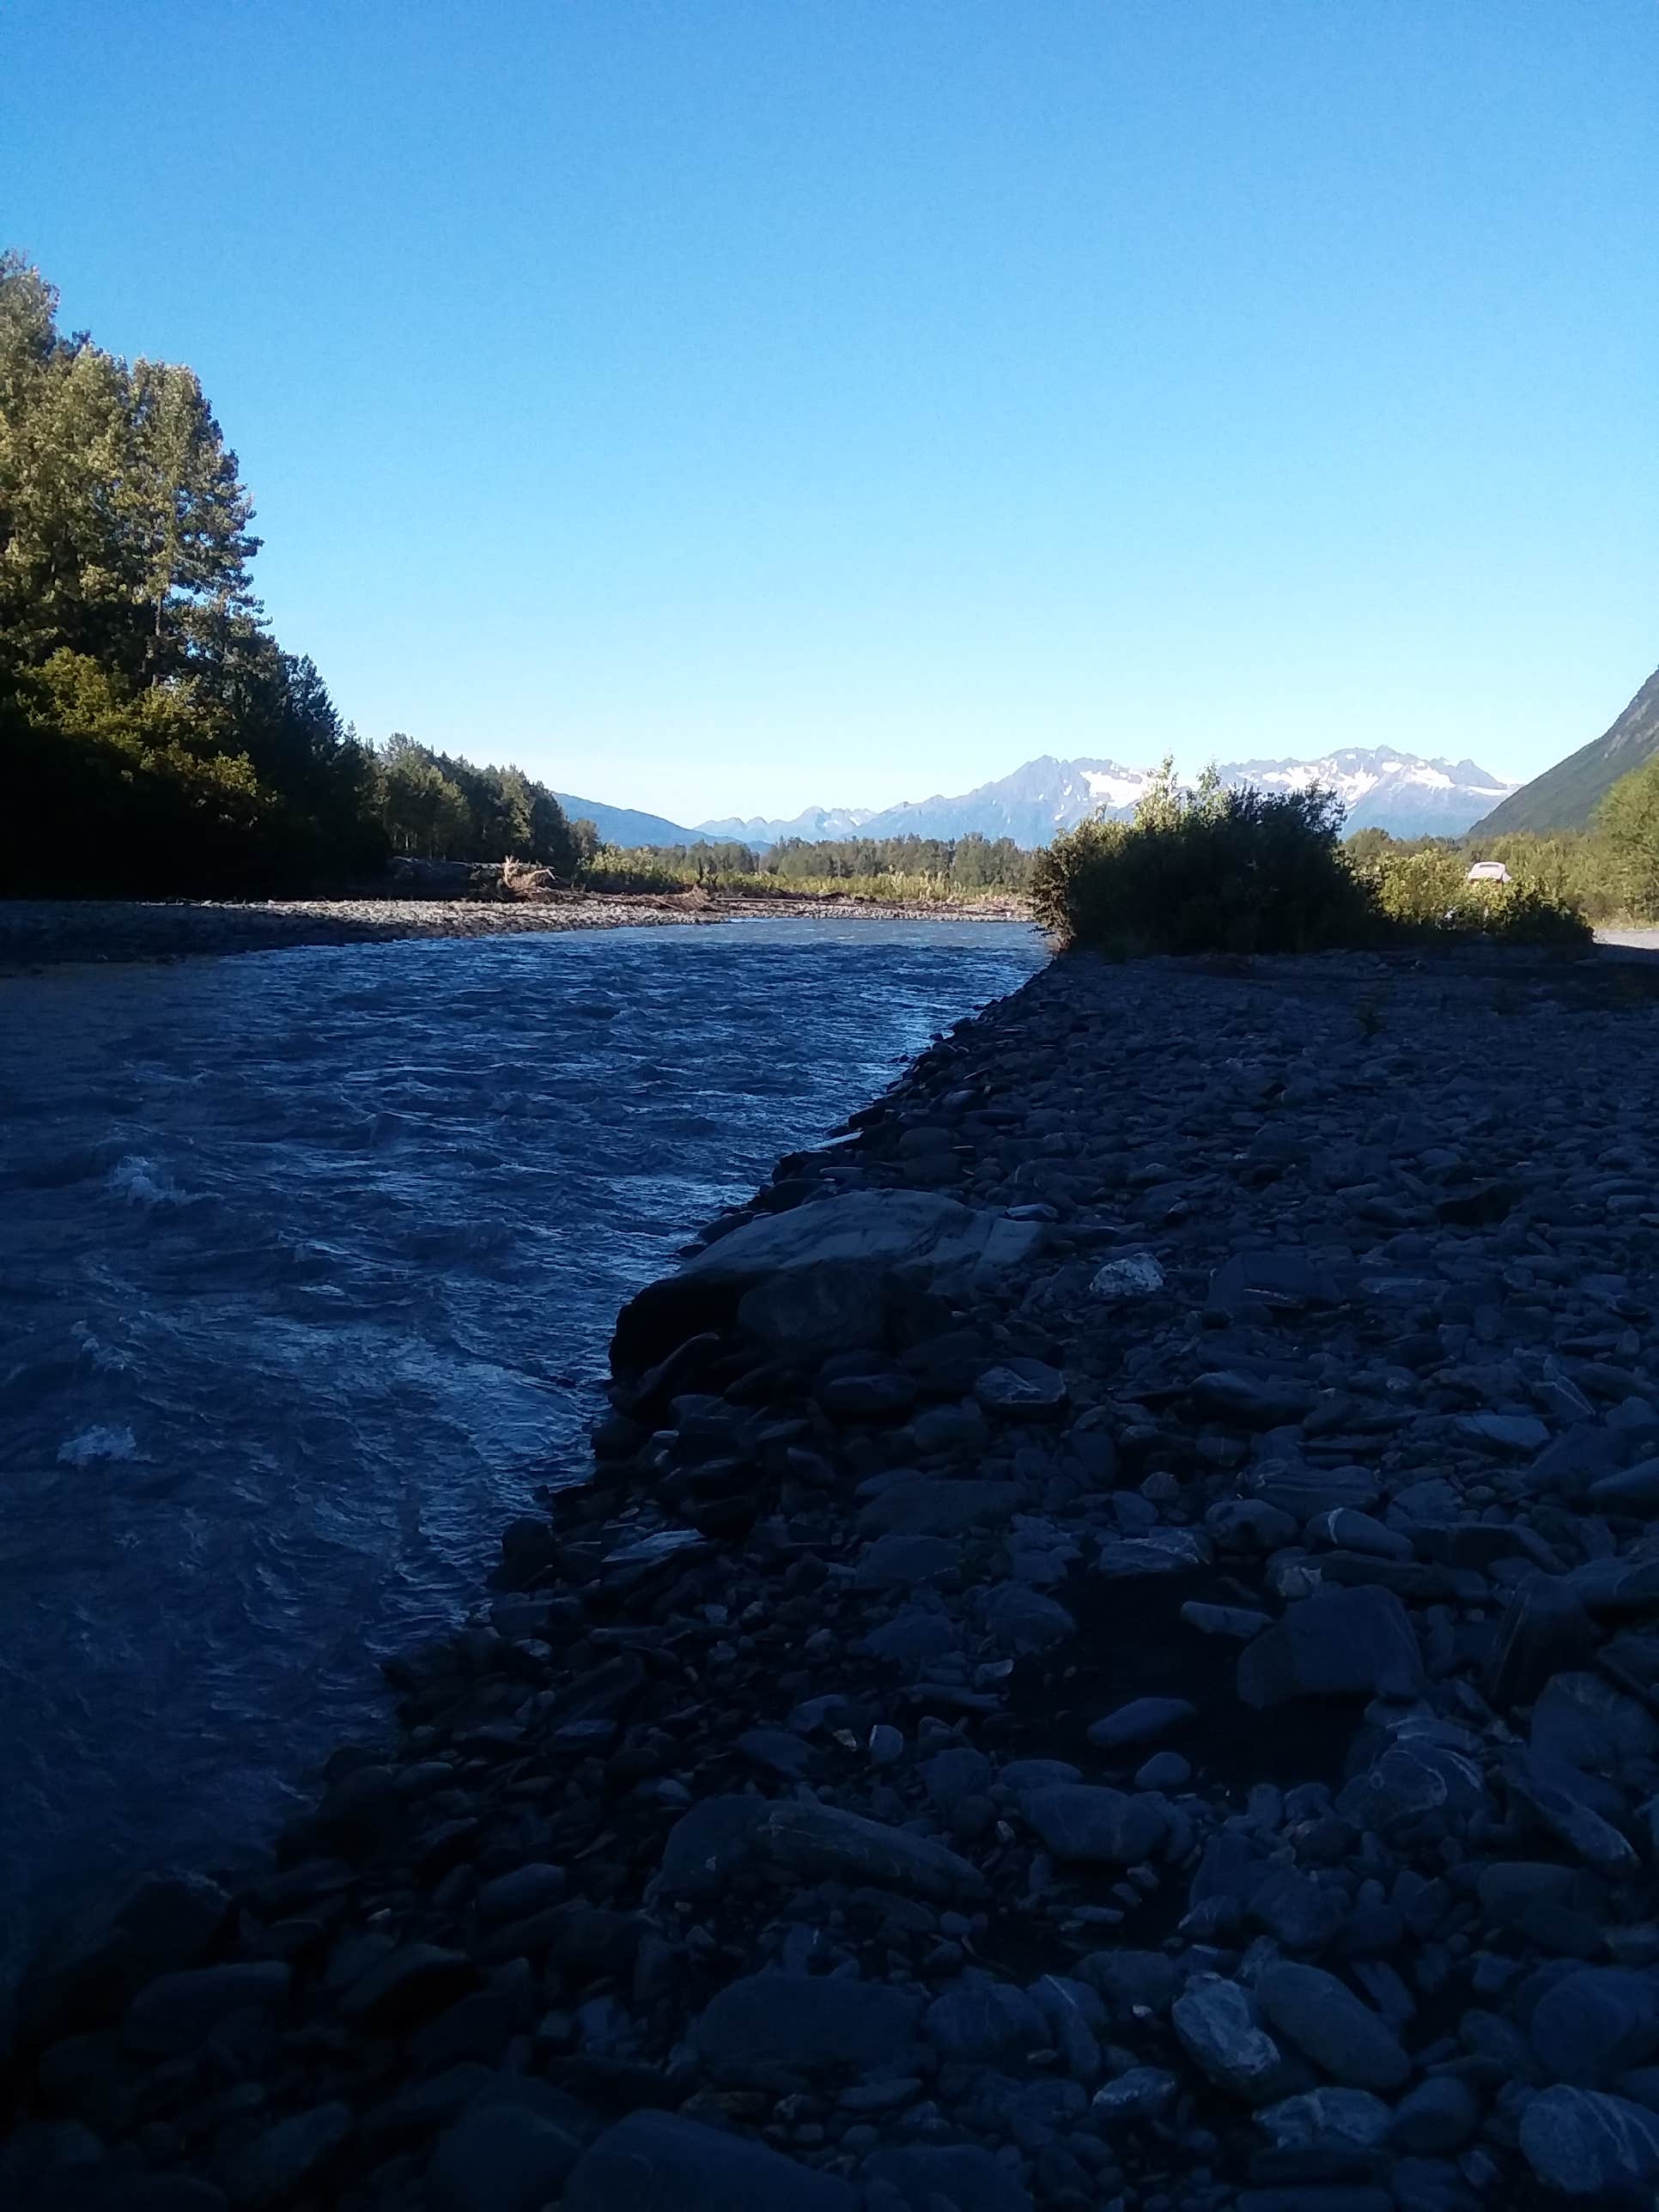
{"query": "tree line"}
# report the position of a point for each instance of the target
(950, 867)
(156, 736)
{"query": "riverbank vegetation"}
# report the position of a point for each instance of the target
(1216, 870)
(908, 871)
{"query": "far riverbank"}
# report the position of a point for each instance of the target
(42, 933)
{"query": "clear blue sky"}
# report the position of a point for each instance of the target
(727, 404)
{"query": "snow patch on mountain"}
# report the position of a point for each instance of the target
(1402, 793)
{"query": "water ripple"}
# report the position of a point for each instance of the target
(310, 1261)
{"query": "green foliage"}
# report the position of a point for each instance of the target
(1245, 872)
(442, 808)
(1628, 823)
(1204, 870)
(1426, 892)
(157, 738)
(912, 870)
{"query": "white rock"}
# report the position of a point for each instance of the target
(1135, 1275)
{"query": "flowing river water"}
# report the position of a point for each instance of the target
(307, 1264)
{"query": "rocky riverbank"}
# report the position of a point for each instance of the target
(45, 932)
(1110, 1660)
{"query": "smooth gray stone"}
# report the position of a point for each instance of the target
(1022, 1774)
(1586, 2143)
(1216, 2023)
(177, 2011)
(1160, 1552)
(980, 2020)
(1506, 1432)
(1083, 1823)
(1236, 1624)
(707, 1845)
(1294, 1908)
(285, 2158)
(1408, 1781)
(1336, 1644)
(510, 2150)
(937, 1505)
(1128, 1979)
(949, 1776)
(95, 1958)
(881, 1228)
(1347, 2119)
(913, 1636)
(811, 1312)
(1434, 2119)
(1300, 1492)
(1141, 2093)
(765, 2025)
(1589, 1722)
(1636, 1492)
(778, 1751)
(883, 1397)
(929, 2176)
(1143, 1720)
(1545, 1628)
(900, 1562)
(661, 2162)
(1022, 1390)
(1330, 2025)
(409, 1986)
(1274, 1278)
(527, 1889)
(826, 1845)
(1020, 1621)
(1259, 1402)
(1550, 1794)
(1596, 2023)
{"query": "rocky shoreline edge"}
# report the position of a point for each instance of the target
(52, 933)
(1109, 1661)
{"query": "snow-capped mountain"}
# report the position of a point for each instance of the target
(1383, 789)
(1031, 806)
(815, 824)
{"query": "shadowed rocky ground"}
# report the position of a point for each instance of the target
(1110, 1660)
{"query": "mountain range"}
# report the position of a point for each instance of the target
(1566, 796)
(1381, 788)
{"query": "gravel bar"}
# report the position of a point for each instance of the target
(46, 932)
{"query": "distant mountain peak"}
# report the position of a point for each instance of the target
(1381, 787)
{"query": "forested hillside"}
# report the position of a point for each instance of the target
(156, 736)
(1566, 796)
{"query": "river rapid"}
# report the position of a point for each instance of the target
(309, 1262)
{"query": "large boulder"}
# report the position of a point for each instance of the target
(96, 1959)
(1337, 1643)
(661, 2162)
(864, 1236)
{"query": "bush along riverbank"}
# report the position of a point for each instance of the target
(1108, 1659)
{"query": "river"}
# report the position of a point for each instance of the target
(309, 1262)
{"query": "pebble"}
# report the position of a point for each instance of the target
(1144, 1720)
(1216, 2023)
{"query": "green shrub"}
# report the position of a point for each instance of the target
(1426, 894)
(1246, 872)
(1206, 872)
